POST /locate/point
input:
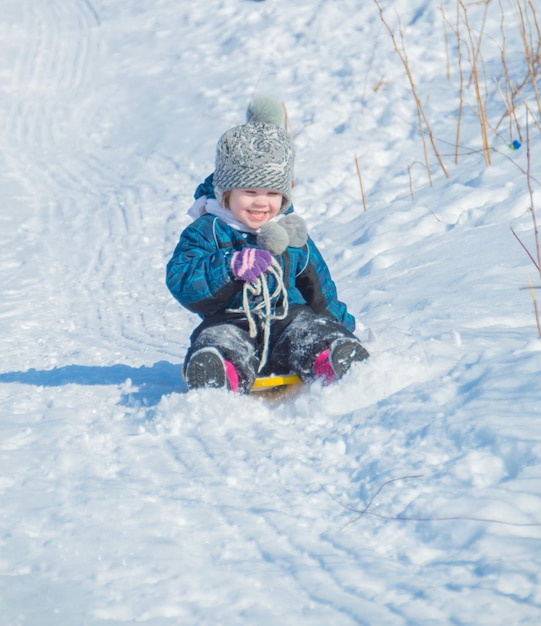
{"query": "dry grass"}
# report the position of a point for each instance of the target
(535, 306)
(473, 47)
(424, 124)
(521, 99)
(360, 181)
(472, 75)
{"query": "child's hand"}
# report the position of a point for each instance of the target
(249, 263)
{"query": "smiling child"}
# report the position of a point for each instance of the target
(264, 292)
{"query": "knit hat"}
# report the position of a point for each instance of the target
(259, 154)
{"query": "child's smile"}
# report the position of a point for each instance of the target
(255, 207)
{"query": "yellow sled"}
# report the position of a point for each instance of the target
(264, 383)
(271, 383)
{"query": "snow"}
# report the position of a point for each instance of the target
(410, 492)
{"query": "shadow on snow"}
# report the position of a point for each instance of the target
(152, 382)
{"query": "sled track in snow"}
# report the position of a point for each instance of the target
(57, 122)
(277, 531)
(53, 60)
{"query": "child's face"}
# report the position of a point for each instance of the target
(255, 207)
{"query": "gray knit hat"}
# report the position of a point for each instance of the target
(259, 154)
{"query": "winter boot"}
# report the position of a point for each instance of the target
(207, 368)
(323, 368)
(333, 363)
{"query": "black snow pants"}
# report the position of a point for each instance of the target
(294, 343)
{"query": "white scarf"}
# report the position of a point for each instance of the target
(208, 205)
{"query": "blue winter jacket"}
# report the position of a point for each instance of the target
(199, 273)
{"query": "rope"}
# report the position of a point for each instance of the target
(263, 309)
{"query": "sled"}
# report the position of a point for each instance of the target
(264, 383)
(272, 383)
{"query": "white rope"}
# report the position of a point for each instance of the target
(263, 309)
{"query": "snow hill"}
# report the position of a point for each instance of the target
(407, 494)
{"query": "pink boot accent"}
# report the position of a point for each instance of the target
(323, 368)
(232, 375)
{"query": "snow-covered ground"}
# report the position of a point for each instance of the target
(410, 493)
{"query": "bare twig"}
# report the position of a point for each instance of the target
(529, 111)
(532, 57)
(369, 71)
(410, 168)
(535, 307)
(446, 40)
(508, 99)
(360, 181)
(366, 511)
(530, 256)
(411, 183)
(536, 231)
(530, 191)
(481, 113)
(461, 88)
(420, 111)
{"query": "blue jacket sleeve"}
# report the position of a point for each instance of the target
(198, 274)
(318, 289)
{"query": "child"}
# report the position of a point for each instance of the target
(264, 293)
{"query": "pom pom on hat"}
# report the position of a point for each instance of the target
(265, 110)
(273, 237)
(296, 230)
(277, 236)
